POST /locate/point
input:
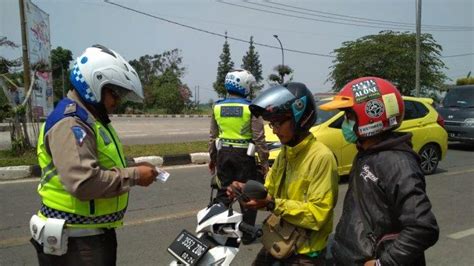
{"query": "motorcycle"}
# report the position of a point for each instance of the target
(218, 232)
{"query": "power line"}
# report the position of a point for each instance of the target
(458, 55)
(315, 19)
(338, 18)
(299, 17)
(214, 33)
(395, 23)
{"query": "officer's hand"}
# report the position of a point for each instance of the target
(257, 203)
(234, 186)
(147, 175)
(144, 163)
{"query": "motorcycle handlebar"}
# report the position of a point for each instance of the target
(250, 229)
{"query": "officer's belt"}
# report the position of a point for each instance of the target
(81, 232)
(235, 143)
(72, 218)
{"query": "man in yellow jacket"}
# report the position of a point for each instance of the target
(303, 182)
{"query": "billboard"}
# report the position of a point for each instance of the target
(39, 51)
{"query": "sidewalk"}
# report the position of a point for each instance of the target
(26, 171)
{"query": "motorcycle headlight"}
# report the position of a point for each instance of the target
(469, 122)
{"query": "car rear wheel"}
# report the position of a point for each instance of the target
(430, 156)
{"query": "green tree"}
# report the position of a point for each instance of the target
(390, 55)
(161, 76)
(251, 62)
(60, 60)
(224, 66)
(282, 71)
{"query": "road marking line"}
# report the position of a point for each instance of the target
(19, 241)
(462, 234)
(178, 215)
(460, 172)
(12, 242)
(135, 135)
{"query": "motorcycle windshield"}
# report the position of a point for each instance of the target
(213, 211)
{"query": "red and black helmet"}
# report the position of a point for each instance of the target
(376, 102)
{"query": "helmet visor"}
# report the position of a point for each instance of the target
(273, 102)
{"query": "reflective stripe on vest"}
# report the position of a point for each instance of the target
(58, 203)
(234, 122)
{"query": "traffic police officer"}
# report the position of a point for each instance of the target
(235, 135)
(85, 179)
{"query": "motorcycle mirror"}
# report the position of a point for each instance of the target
(254, 190)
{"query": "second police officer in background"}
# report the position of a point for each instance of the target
(235, 135)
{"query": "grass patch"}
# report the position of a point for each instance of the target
(7, 158)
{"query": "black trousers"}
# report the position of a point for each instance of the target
(233, 164)
(99, 250)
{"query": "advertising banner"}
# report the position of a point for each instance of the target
(39, 51)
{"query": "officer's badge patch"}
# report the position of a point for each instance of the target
(79, 133)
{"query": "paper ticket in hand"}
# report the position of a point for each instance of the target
(162, 175)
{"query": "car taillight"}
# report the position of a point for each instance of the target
(440, 121)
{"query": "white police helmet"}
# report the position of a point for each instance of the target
(239, 81)
(99, 66)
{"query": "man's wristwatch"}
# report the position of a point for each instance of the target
(271, 205)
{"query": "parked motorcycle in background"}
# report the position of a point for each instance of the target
(218, 232)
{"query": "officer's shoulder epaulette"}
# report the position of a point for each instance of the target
(66, 108)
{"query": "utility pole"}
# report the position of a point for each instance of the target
(198, 95)
(62, 77)
(418, 48)
(26, 60)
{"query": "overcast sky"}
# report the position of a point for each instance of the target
(300, 25)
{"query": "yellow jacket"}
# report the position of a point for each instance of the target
(309, 194)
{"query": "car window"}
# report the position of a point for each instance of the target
(421, 109)
(459, 98)
(414, 110)
(323, 116)
(337, 123)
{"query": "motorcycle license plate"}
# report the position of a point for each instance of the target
(187, 248)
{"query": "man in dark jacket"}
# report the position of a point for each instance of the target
(386, 218)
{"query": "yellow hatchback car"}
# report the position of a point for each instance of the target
(430, 139)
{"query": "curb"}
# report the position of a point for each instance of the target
(26, 171)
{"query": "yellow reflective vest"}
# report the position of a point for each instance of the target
(57, 202)
(234, 120)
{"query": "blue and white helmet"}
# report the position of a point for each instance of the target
(99, 66)
(239, 81)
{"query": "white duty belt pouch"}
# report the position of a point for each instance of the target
(50, 233)
(218, 143)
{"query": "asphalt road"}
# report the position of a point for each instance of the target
(151, 130)
(158, 213)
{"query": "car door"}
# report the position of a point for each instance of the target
(415, 121)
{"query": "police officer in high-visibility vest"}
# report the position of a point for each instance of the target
(235, 136)
(85, 179)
